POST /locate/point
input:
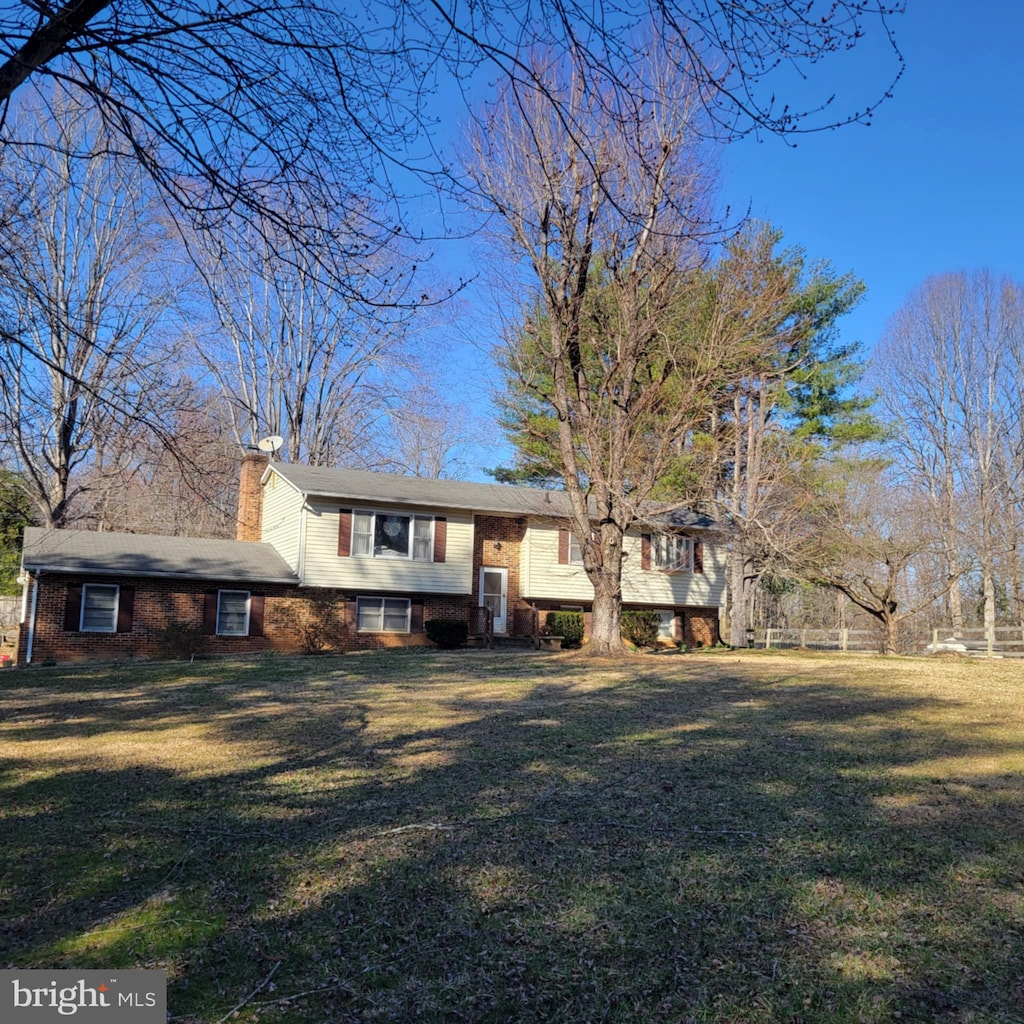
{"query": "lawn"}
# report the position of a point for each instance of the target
(470, 836)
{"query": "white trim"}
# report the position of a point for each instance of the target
(112, 628)
(574, 541)
(32, 621)
(374, 513)
(383, 601)
(304, 510)
(248, 604)
(500, 623)
(661, 541)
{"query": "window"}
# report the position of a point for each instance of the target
(383, 614)
(388, 535)
(233, 613)
(575, 551)
(99, 608)
(672, 552)
(362, 533)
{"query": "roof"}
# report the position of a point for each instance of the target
(139, 554)
(386, 488)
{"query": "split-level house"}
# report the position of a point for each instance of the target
(379, 554)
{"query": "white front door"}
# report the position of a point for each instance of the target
(494, 595)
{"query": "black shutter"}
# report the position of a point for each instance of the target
(72, 608)
(563, 546)
(416, 617)
(256, 602)
(125, 609)
(210, 613)
(345, 533)
(440, 538)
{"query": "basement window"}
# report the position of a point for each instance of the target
(383, 614)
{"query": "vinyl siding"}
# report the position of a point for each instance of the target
(324, 568)
(676, 589)
(544, 579)
(282, 518)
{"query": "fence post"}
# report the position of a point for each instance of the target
(767, 638)
(803, 638)
(846, 640)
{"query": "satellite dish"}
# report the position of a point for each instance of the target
(270, 444)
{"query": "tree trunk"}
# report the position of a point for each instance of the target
(606, 622)
(738, 597)
(954, 604)
(989, 591)
(892, 633)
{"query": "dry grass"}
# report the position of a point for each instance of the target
(474, 837)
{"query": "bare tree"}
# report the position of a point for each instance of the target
(950, 363)
(428, 437)
(180, 482)
(607, 231)
(294, 353)
(865, 536)
(82, 293)
(234, 104)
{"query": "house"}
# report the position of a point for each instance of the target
(379, 554)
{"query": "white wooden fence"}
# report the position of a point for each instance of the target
(10, 610)
(863, 640)
(1007, 641)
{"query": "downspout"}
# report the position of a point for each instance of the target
(32, 621)
(300, 566)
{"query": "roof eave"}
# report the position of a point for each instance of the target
(105, 570)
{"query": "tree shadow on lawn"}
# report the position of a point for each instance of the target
(736, 845)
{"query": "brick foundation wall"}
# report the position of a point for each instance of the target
(292, 619)
(700, 627)
(696, 627)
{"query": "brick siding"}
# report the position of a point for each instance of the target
(700, 626)
(288, 613)
(250, 498)
(497, 543)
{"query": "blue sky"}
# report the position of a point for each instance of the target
(935, 184)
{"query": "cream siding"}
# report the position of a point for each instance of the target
(544, 579)
(282, 518)
(675, 589)
(324, 568)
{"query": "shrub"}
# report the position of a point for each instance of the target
(567, 625)
(641, 627)
(317, 620)
(447, 633)
(180, 640)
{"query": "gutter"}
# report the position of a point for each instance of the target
(212, 577)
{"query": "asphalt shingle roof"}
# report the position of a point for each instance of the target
(139, 554)
(385, 488)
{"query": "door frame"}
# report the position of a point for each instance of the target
(504, 595)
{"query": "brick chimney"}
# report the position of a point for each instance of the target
(250, 497)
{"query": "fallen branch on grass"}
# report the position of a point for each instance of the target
(255, 992)
(450, 826)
